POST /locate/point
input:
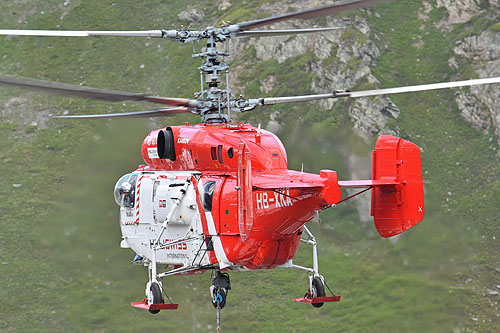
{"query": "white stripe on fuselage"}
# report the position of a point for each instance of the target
(219, 250)
(216, 242)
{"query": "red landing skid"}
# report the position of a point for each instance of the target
(144, 305)
(324, 299)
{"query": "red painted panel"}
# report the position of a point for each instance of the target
(144, 305)
(228, 222)
(245, 198)
(323, 299)
(266, 254)
(193, 146)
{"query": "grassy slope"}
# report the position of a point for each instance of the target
(463, 166)
(60, 237)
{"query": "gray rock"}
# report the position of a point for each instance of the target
(192, 15)
(459, 11)
(224, 4)
(493, 292)
(25, 112)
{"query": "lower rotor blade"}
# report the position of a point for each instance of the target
(266, 33)
(163, 112)
(87, 92)
(424, 87)
(67, 33)
(376, 92)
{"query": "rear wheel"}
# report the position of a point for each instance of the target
(156, 291)
(318, 290)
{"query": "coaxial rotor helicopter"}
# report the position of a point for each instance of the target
(217, 196)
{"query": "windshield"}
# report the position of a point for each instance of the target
(125, 190)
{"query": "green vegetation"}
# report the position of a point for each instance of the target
(496, 27)
(61, 267)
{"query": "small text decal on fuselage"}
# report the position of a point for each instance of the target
(183, 140)
(153, 152)
(178, 246)
(275, 199)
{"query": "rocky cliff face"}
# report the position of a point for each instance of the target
(480, 105)
(459, 11)
(344, 57)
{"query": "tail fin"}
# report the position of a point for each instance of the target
(399, 207)
(397, 190)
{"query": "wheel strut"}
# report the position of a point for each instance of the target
(316, 294)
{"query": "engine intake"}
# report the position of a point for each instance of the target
(165, 144)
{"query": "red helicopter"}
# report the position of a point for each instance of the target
(219, 196)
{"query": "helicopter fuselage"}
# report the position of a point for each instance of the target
(232, 200)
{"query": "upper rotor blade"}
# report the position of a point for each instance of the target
(309, 13)
(376, 92)
(67, 33)
(162, 112)
(266, 33)
(81, 91)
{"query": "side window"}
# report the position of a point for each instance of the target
(208, 193)
(213, 153)
(219, 153)
(155, 186)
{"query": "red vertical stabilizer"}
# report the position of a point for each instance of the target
(399, 207)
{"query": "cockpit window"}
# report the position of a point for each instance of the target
(208, 193)
(125, 190)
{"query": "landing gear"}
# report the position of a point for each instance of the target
(153, 288)
(155, 292)
(316, 294)
(154, 301)
(317, 290)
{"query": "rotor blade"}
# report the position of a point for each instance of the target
(424, 87)
(87, 92)
(309, 13)
(376, 92)
(266, 33)
(68, 33)
(162, 112)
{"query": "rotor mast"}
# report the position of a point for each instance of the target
(217, 99)
(214, 100)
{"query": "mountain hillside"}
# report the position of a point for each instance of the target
(61, 266)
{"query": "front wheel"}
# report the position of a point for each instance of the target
(318, 290)
(157, 299)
